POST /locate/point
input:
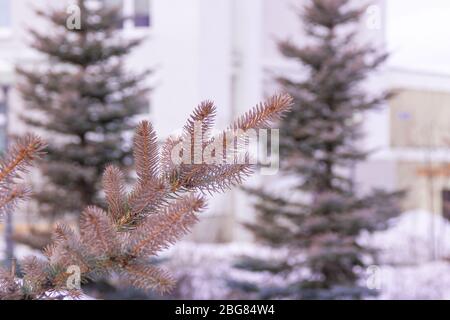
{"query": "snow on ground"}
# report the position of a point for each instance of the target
(414, 254)
(203, 270)
(426, 281)
(410, 239)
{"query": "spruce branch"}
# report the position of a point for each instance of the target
(145, 152)
(264, 114)
(149, 277)
(160, 230)
(161, 207)
(97, 231)
(19, 158)
(204, 116)
(227, 168)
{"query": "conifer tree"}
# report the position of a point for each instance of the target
(83, 99)
(321, 217)
(16, 162)
(160, 208)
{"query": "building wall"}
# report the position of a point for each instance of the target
(420, 119)
(420, 133)
(423, 191)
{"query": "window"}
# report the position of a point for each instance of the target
(5, 14)
(138, 10)
(446, 204)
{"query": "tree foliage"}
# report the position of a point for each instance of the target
(139, 222)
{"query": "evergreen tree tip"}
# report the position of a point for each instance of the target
(18, 160)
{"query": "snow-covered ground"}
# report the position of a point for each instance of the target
(415, 237)
(414, 256)
(413, 262)
(203, 270)
(430, 280)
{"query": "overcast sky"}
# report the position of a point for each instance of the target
(418, 34)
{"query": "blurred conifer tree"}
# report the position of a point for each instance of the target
(83, 99)
(321, 218)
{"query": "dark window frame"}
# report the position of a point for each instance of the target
(446, 203)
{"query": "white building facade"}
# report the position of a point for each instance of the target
(222, 50)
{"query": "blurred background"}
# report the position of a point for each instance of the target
(226, 51)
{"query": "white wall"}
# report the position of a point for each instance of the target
(223, 50)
